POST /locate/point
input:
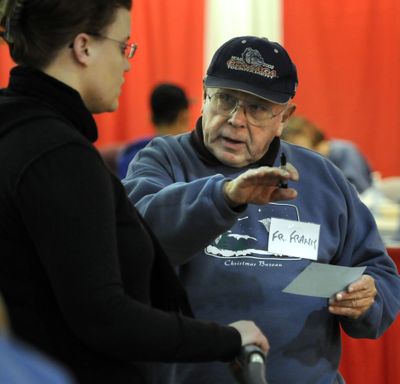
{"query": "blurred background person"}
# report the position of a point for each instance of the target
(169, 115)
(373, 191)
(343, 153)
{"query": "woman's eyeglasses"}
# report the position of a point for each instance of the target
(128, 50)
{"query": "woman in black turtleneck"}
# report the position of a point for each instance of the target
(82, 275)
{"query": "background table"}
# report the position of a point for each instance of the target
(367, 361)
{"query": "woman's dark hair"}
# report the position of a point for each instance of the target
(35, 30)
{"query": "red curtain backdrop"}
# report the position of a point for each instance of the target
(348, 58)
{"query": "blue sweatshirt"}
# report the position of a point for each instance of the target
(223, 261)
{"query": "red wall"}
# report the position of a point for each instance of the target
(348, 59)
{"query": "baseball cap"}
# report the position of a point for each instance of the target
(254, 65)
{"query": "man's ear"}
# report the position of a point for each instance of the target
(204, 90)
(285, 116)
(204, 96)
(288, 112)
(81, 48)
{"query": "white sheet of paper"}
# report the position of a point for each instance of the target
(323, 280)
(294, 238)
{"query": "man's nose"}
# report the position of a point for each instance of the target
(238, 114)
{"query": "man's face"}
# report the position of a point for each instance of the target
(232, 138)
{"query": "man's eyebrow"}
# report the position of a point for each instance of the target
(249, 97)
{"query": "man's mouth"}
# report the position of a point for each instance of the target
(229, 141)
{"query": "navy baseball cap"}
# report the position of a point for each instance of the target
(254, 65)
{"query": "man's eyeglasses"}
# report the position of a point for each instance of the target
(128, 50)
(256, 113)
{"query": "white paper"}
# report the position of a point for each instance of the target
(294, 238)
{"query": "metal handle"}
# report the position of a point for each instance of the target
(249, 366)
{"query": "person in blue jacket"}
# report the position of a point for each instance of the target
(170, 116)
(212, 195)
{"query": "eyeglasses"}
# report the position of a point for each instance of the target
(128, 50)
(256, 113)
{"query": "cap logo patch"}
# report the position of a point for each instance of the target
(252, 61)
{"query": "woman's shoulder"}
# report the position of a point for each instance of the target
(29, 131)
(26, 120)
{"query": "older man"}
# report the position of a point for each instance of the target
(212, 196)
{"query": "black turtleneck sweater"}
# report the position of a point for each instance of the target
(82, 275)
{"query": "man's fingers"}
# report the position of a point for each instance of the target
(365, 282)
(268, 174)
(353, 303)
(353, 313)
(283, 194)
(294, 175)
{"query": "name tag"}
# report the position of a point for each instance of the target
(294, 238)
